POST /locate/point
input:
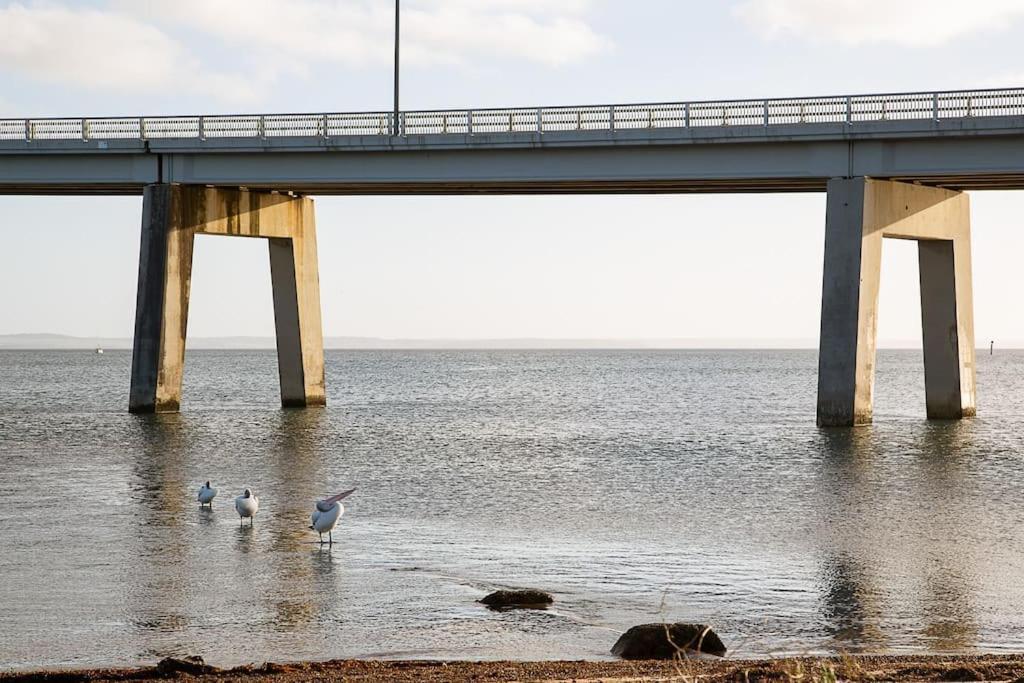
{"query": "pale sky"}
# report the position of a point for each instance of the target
(715, 266)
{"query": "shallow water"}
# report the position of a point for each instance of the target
(635, 485)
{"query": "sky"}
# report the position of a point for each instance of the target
(740, 267)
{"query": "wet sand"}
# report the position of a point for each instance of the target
(860, 668)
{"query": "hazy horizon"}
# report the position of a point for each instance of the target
(54, 341)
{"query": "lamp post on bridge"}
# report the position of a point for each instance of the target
(394, 120)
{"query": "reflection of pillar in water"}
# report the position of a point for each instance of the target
(851, 606)
(947, 600)
(304, 584)
(155, 580)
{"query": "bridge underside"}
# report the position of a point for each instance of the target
(682, 186)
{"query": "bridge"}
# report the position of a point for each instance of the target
(894, 165)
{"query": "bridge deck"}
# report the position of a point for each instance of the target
(961, 140)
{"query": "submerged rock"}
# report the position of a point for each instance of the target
(664, 641)
(185, 665)
(508, 599)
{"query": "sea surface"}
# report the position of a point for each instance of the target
(636, 486)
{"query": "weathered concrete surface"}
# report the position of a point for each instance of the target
(161, 308)
(860, 213)
(172, 216)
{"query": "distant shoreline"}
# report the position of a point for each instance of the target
(57, 342)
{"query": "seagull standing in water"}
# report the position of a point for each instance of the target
(247, 505)
(206, 495)
(326, 515)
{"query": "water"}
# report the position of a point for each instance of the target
(636, 486)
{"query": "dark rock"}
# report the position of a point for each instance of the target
(664, 641)
(195, 666)
(507, 599)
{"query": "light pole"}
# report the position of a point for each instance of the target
(394, 120)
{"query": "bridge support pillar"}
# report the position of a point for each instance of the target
(172, 216)
(860, 213)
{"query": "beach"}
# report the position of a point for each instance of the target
(853, 668)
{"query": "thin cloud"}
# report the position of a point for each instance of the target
(907, 23)
(359, 32)
(95, 48)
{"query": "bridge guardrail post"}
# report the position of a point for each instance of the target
(142, 128)
(85, 129)
(261, 127)
(935, 106)
(323, 126)
(611, 118)
(469, 121)
(28, 130)
(849, 111)
(765, 105)
(686, 115)
(540, 120)
(202, 128)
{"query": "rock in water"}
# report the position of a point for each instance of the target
(518, 598)
(194, 666)
(663, 641)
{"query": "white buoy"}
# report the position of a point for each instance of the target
(206, 495)
(326, 515)
(247, 505)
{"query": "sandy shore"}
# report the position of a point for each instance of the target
(866, 668)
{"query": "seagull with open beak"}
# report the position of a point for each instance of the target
(327, 513)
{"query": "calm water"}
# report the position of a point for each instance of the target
(634, 485)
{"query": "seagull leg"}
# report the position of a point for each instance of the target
(330, 537)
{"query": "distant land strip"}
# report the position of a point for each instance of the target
(46, 341)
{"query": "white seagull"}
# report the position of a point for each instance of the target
(206, 495)
(327, 513)
(247, 505)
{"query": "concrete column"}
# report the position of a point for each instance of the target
(947, 323)
(172, 216)
(161, 307)
(860, 213)
(300, 344)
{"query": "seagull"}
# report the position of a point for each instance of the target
(206, 495)
(247, 505)
(327, 513)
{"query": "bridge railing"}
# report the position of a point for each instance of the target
(850, 110)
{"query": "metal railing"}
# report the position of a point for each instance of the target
(851, 110)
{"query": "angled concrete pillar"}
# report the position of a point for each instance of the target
(860, 213)
(172, 216)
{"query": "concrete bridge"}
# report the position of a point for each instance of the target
(893, 165)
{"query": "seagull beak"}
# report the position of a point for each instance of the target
(334, 499)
